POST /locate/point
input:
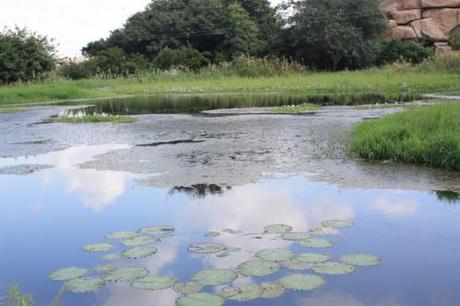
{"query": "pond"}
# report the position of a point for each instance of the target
(193, 192)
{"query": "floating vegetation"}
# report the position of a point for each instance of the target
(206, 248)
(316, 243)
(224, 254)
(98, 247)
(67, 274)
(139, 241)
(333, 268)
(84, 284)
(215, 277)
(233, 249)
(187, 288)
(322, 230)
(258, 268)
(111, 256)
(200, 299)
(296, 265)
(232, 231)
(276, 255)
(212, 234)
(301, 282)
(243, 293)
(357, 259)
(271, 290)
(105, 268)
(120, 235)
(312, 257)
(277, 228)
(155, 230)
(338, 223)
(295, 236)
(25, 169)
(139, 252)
(154, 283)
(125, 274)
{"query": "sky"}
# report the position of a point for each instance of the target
(72, 23)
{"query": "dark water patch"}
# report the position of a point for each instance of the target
(200, 190)
(172, 142)
(23, 169)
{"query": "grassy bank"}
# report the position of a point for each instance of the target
(429, 135)
(347, 87)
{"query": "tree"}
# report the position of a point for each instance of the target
(25, 56)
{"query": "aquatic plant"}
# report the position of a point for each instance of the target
(323, 230)
(295, 236)
(243, 293)
(67, 274)
(232, 231)
(215, 277)
(154, 283)
(155, 230)
(139, 241)
(111, 256)
(120, 235)
(98, 247)
(200, 299)
(333, 268)
(296, 265)
(312, 257)
(275, 255)
(301, 282)
(316, 243)
(277, 228)
(358, 259)
(105, 268)
(187, 288)
(224, 254)
(338, 223)
(212, 234)
(206, 248)
(125, 274)
(139, 252)
(298, 108)
(17, 298)
(271, 290)
(84, 284)
(233, 249)
(258, 268)
(94, 118)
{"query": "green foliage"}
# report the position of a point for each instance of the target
(298, 108)
(454, 41)
(413, 52)
(448, 62)
(17, 298)
(428, 135)
(24, 56)
(184, 57)
(95, 119)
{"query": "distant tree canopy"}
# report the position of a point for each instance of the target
(24, 56)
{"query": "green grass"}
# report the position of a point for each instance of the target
(11, 109)
(346, 87)
(428, 135)
(95, 119)
(298, 108)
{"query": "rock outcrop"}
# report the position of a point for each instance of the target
(434, 20)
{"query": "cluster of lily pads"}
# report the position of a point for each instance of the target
(265, 262)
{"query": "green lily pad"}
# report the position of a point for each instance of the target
(111, 256)
(312, 257)
(232, 231)
(154, 283)
(258, 268)
(338, 223)
(212, 234)
(139, 252)
(215, 277)
(67, 274)
(200, 299)
(155, 230)
(84, 284)
(243, 293)
(233, 249)
(296, 265)
(275, 254)
(105, 268)
(271, 290)
(187, 288)
(120, 235)
(277, 228)
(98, 247)
(333, 268)
(365, 260)
(224, 254)
(139, 241)
(316, 243)
(125, 274)
(206, 248)
(295, 236)
(323, 231)
(301, 282)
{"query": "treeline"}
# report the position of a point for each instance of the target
(198, 34)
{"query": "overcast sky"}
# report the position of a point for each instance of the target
(73, 23)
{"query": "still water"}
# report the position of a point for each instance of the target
(74, 195)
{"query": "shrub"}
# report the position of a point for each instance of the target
(397, 50)
(454, 41)
(184, 57)
(448, 62)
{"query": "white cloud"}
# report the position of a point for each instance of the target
(400, 208)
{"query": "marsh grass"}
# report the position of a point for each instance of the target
(11, 109)
(17, 298)
(429, 135)
(298, 108)
(95, 118)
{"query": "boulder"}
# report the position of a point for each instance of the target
(404, 32)
(406, 16)
(428, 28)
(442, 48)
(440, 3)
(447, 19)
(392, 23)
(409, 4)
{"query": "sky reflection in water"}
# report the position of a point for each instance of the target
(48, 216)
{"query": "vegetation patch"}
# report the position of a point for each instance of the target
(276, 255)
(258, 268)
(84, 284)
(271, 290)
(98, 247)
(295, 236)
(95, 118)
(200, 299)
(215, 277)
(298, 108)
(111, 256)
(139, 241)
(105, 268)
(187, 288)
(206, 248)
(154, 283)
(333, 268)
(312, 257)
(338, 223)
(243, 293)
(125, 274)
(139, 252)
(67, 274)
(316, 243)
(155, 230)
(212, 234)
(232, 231)
(277, 228)
(120, 235)
(296, 265)
(301, 282)
(358, 259)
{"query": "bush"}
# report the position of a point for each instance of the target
(25, 56)
(184, 57)
(454, 41)
(397, 50)
(448, 62)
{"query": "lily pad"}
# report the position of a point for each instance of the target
(207, 248)
(187, 288)
(296, 265)
(154, 283)
(233, 249)
(139, 240)
(125, 274)
(98, 247)
(139, 252)
(232, 231)
(275, 254)
(111, 256)
(333, 268)
(338, 223)
(212, 234)
(215, 277)
(224, 254)
(67, 274)
(120, 235)
(155, 230)
(243, 293)
(258, 268)
(316, 243)
(323, 231)
(200, 299)
(84, 284)
(301, 282)
(271, 290)
(365, 260)
(312, 257)
(105, 268)
(295, 236)
(277, 228)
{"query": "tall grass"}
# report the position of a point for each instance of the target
(428, 136)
